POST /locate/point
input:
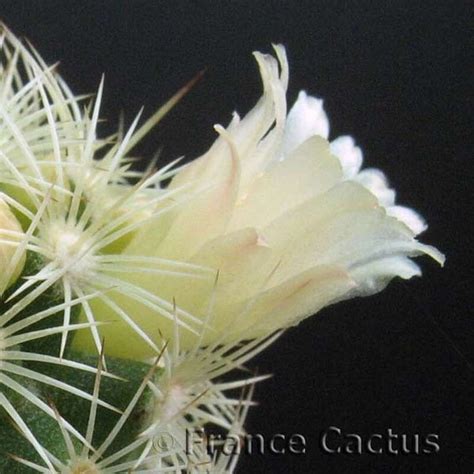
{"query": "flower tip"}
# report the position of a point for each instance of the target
(435, 254)
(441, 257)
(279, 49)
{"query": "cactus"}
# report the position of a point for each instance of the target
(130, 305)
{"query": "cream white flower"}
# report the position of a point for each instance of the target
(288, 220)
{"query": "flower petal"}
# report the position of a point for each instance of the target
(349, 155)
(310, 170)
(376, 182)
(295, 299)
(409, 217)
(305, 119)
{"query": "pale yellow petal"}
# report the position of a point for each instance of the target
(295, 299)
(308, 172)
(205, 215)
(303, 235)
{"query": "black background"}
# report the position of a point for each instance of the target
(395, 75)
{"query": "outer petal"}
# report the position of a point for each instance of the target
(295, 299)
(243, 260)
(202, 216)
(302, 236)
(310, 171)
(374, 276)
